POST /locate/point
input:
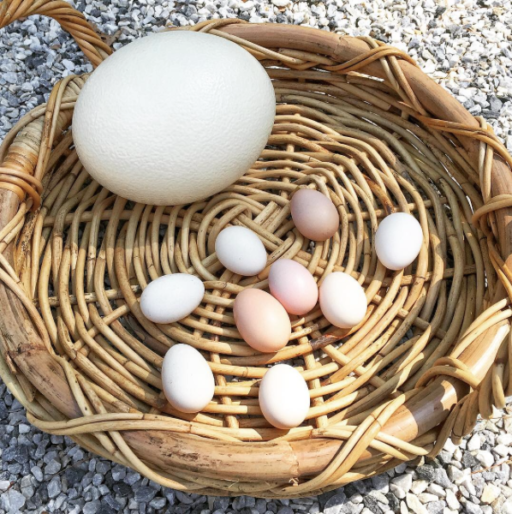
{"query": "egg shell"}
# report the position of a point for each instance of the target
(314, 215)
(241, 251)
(284, 397)
(171, 297)
(187, 379)
(342, 300)
(173, 117)
(261, 320)
(293, 285)
(398, 240)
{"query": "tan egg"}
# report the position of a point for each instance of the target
(314, 215)
(261, 320)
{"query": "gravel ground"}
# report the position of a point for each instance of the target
(466, 46)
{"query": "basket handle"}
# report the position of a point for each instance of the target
(69, 18)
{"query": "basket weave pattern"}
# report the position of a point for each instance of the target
(355, 120)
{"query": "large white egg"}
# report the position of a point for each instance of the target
(284, 397)
(173, 117)
(241, 251)
(398, 240)
(171, 297)
(187, 379)
(342, 300)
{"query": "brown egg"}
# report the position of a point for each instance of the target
(261, 320)
(314, 215)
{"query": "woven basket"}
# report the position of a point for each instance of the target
(356, 120)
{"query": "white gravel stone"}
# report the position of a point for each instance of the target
(472, 508)
(418, 486)
(402, 483)
(485, 458)
(427, 497)
(506, 507)
(505, 439)
(415, 505)
(397, 491)
(474, 443)
(490, 493)
(502, 450)
(451, 500)
(437, 490)
(449, 446)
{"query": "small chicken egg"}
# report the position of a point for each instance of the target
(314, 214)
(241, 251)
(398, 240)
(342, 300)
(171, 297)
(293, 285)
(284, 397)
(261, 320)
(187, 379)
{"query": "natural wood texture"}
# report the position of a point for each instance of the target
(432, 353)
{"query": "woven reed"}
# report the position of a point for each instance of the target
(432, 353)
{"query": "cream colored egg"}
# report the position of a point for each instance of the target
(173, 117)
(187, 379)
(398, 240)
(342, 300)
(171, 297)
(284, 397)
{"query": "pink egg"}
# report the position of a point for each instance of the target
(293, 285)
(261, 320)
(314, 215)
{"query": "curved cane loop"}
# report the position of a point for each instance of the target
(483, 396)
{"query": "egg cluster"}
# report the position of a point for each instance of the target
(263, 319)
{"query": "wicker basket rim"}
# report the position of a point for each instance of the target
(257, 461)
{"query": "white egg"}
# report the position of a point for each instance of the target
(342, 300)
(284, 397)
(173, 117)
(171, 297)
(241, 251)
(398, 240)
(187, 379)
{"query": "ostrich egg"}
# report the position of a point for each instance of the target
(173, 117)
